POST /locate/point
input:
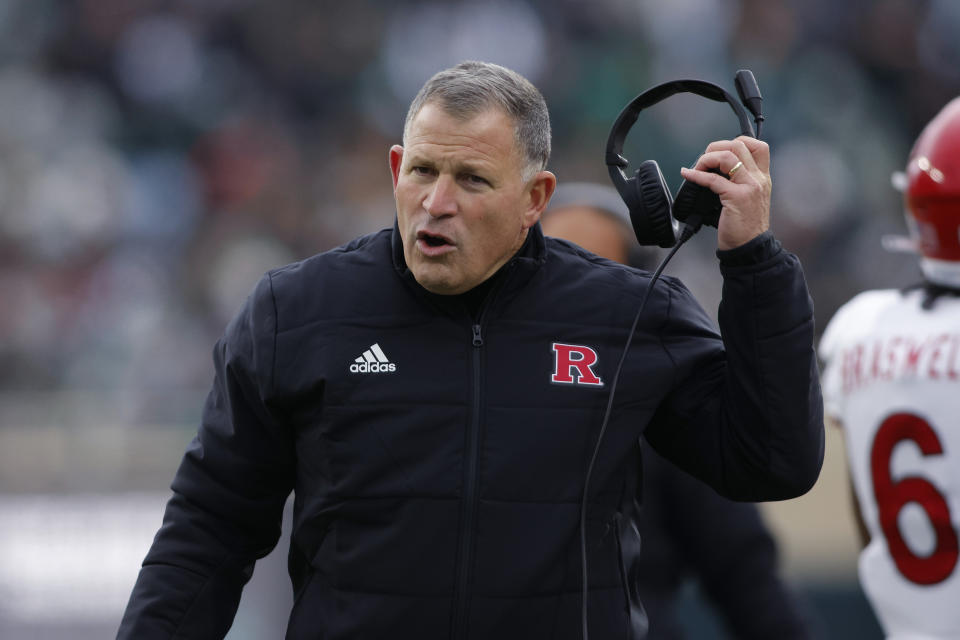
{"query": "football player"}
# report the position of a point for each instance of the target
(892, 382)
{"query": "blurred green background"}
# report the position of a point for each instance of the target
(157, 156)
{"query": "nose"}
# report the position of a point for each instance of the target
(441, 199)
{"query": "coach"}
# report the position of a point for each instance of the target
(438, 488)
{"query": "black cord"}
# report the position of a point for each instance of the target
(692, 225)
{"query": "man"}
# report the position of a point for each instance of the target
(687, 531)
(432, 393)
(891, 381)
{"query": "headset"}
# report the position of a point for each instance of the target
(654, 214)
(656, 218)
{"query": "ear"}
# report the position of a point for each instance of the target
(540, 190)
(396, 159)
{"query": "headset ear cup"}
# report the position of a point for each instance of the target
(653, 220)
(692, 198)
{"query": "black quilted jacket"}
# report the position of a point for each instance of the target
(438, 458)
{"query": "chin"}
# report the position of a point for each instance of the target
(435, 282)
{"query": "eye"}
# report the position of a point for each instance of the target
(421, 170)
(475, 180)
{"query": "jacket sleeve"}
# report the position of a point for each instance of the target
(745, 416)
(228, 493)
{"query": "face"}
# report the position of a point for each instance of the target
(463, 208)
(593, 230)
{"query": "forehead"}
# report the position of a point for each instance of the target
(488, 135)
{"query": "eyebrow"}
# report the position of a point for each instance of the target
(470, 167)
(460, 166)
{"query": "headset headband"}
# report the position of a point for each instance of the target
(615, 162)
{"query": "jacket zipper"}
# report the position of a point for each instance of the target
(469, 496)
(461, 601)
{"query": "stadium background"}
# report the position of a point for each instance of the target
(157, 157)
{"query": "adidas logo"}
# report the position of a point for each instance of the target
(373, 360)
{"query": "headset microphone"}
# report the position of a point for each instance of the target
(749, 93)
(656, 220)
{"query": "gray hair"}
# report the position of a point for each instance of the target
(472, 87)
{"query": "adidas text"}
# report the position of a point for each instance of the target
(372, 367)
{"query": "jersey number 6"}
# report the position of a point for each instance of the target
(892, 496)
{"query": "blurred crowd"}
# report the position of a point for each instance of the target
(156, 157)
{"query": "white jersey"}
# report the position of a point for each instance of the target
(892, 378)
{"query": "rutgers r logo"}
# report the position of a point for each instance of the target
(573, 364)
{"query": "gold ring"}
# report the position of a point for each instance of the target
(736, 168)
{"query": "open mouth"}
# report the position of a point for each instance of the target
(433, 239)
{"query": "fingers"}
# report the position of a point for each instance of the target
(735, 159)
(746, 148)
(725, 161)
(716, 182)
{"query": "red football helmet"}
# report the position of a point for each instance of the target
(933, 196)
